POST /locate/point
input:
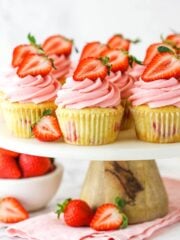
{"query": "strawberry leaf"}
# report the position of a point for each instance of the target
(120, 202)
(47, 112)
(124, 222)
(61, 207)
(134, 59)
(163, 49)
(31, 39)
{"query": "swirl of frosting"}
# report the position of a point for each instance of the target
(122, 81)
(29, 89)
(88, 93)
(62, 64)
(159, 93)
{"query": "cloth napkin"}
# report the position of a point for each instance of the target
(48, 227)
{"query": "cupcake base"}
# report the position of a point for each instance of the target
(90, 126)
(160, 125)
(20, 117)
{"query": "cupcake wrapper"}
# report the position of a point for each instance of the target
(20, 117)
(161, 125)
(93, 126)
(127, 120)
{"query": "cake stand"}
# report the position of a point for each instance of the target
(126, 168)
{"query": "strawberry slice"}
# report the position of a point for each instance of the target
(174, 39)
(47, 129)
(119, 42)
(20, 53)
(163, 66)
(11, 210)
(153, 50)
(91, 68)
(58, 45)
(118, 59)
(107, 217)
(93, 49)
(8, 153)
(34, 64)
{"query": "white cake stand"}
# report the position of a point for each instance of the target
(126, 148)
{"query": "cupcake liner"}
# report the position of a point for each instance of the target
(127, 120)
(20, 117)
(90, 126)
(160, 125)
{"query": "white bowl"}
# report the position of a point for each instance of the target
(34, 193)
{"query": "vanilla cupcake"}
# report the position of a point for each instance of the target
(25, 101)
(89, 111)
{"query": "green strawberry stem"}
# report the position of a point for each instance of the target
(120, 203)
(124, 221)
(134, 59)
(62, 206)
(105, 62)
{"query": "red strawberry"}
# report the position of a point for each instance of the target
(20, 52)
(57, 44)
(91, 68)
(173, 39)
(93, 49)
(119, 42)
(77, 213)
(163, 66)
(117, 59)
(34, 65)
(108, 217)
(47, 129)
(9, 167)
(8, 153)
(32, 166)
(11, 210)
(152, 51)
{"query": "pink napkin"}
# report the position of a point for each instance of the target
(47, 226)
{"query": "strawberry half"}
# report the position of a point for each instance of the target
(152, 51)
(173, 39)
(118, 59)
(9, 167)
(108, 217)
(163, 66)
(91, 68)
(58, 45)
(93, 49)
(47, 129)
(119, 42)
(77, 213)
(33, 166)
(11, 210)
(20, 52)
(34, 64)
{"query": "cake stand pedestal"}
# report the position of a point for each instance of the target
(137, 182)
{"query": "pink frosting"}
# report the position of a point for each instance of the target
(122, 81)
(62, 64)
(29, 89)
(136, 71)
(88, 93)
(159, 93)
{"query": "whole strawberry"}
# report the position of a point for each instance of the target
(77, 213)
(32, 166)
(9, 167)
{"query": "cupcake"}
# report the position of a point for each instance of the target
(155, 99)
(59, 48)
(29, 91)
(89, 110)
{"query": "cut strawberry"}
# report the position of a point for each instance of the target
(119, 42)
(33, 166)
(20, 52)
(163, 66)
(152, 51)
(77, 213)
(47, 129)
(174, 39)
(34, 65)
(58, 45)
(107, 217)
(118, 59)
(11, 210)
(9, 167)
(91, 68)
(93, 49)
(8, 153)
